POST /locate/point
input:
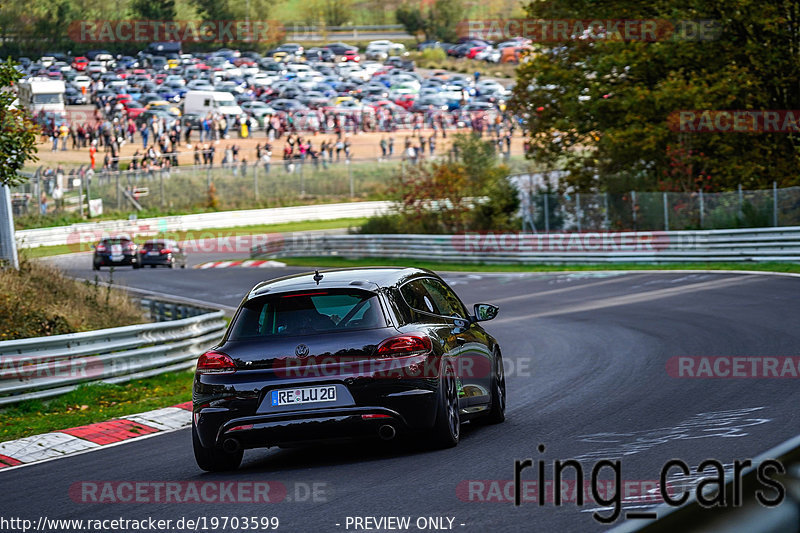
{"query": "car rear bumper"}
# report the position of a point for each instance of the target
(304, 426)
(156, 260)
(105, 260)
(409, 410)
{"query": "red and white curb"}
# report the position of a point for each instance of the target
(65, 442)
(250, 263)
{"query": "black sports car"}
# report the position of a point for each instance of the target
(346, 353)
(116, 251)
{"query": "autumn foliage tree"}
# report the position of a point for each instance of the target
(471, 193)
(600, 107)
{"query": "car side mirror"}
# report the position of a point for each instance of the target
(485, 312)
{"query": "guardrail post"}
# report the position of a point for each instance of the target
(633, 208)
(775, 203)
(578, 210)
(153, 311)
(606, 223)
(666, 213)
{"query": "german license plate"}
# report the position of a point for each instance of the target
(325, 393)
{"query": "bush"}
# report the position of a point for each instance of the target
(434, 55)
(469, 194)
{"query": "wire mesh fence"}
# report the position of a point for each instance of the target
(545, 211)
(239, 185)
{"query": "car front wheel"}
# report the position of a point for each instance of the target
(497, 410)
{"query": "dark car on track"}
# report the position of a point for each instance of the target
(339, 354)
(162, 252)
(116, 251)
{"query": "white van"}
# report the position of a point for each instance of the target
(204, 102)
(41, 94)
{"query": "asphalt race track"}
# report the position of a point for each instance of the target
(586, 358)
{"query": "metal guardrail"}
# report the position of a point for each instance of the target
(42, 367)
(749, 515)
(91, 232)
(739, 245)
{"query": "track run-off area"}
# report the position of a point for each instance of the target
(599, 366)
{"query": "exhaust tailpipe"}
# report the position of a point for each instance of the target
(231, 445)
(387, 432)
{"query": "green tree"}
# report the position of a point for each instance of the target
(213, 10)
(600, 107)
(443, 17)
(18, 135)
(412, 19)
(153, 9)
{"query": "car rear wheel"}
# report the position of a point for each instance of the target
(213, 459)
(447, 429)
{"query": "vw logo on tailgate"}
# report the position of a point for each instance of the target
(301, 350)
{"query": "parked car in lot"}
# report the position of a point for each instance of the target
(346, 353)
(162, 252)
(116, 251)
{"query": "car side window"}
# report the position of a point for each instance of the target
(445, 299)
(418, 298)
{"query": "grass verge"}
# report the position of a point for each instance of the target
(39, 300)
(337, 262)
(312, 225)
(94, 403)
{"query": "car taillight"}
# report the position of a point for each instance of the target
(213, 362)
(142, 251)
(165, 251)
(101, 248)
(403, 345)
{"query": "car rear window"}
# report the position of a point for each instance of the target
(154, 246)
(308, 313)
(109, 242)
